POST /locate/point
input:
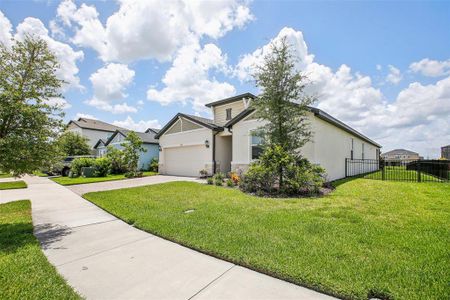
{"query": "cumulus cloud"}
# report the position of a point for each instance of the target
(417, 118)
(65, 54)
(394, 76)
(141, 125)
(188, 77)
(431, 68)
(151, 29)
(109, 84)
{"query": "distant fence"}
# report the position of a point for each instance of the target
(396, 170)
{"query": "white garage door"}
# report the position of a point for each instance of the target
(185, 161)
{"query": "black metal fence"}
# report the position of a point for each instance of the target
(396, 170)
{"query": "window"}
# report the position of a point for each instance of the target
(228, 112)
(362, 155)
(351, 151)
(255, 146)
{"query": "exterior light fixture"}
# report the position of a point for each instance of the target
(159, 148)
(207, 143)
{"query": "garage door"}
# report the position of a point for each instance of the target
(185, 161)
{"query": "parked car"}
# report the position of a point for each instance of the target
(63, 168)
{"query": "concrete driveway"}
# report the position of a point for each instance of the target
(81, 189)
(105, 258)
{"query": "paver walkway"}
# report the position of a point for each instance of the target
(81, 189)
(105, 258)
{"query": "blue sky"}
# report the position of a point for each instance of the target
(382, 67)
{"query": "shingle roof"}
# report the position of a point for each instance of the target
(95, 124)
(208, 123)
(230, 99)
(399, 152)
(155, 130)
(147, 138)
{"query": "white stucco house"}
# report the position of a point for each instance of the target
(93, 130)
(225, 143)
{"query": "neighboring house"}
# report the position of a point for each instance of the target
(118, 138)
(445, 152)
(189, 143)
(402, 155)
(93, 130)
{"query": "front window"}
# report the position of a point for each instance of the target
(256, 148)
(228, 111)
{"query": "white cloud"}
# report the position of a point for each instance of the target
(109, 84)
(5, 30)
(188, 77)
(151, 29)
(61, 102)
(66, 55)
(87, 116)
(141, 125)
(416, 119)
(379, 67)
(394, 76)
(431, 68)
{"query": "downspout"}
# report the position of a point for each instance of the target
(214, 151)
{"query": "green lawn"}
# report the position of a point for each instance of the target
(401, 174)
(5, 175)
(25, 272)
(82, 180)
(9, 185)
(368, 237)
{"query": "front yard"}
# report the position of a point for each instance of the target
(81, 180)
(25, 272)
(9, 185)
(367, 238)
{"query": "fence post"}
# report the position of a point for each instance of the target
(346, 167)
(419, 172)
(383, 175)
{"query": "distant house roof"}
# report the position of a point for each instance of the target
(318, 113)
(399, 152)
(94, 125)
(99, 142)
(208, 123)
(230, 99)
(147, 138)
(154, 130)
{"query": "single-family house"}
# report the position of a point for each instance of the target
(118, 138)
(401, 155)
(93, 130)
(227, 142)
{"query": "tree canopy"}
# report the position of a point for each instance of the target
(72, 143)
(29, 122)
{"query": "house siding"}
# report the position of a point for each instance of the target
(92, 135)
(220, 114)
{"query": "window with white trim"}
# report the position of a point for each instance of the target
(255, 145)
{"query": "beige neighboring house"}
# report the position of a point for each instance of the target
(401, 155)
(93, 130)
(225, 143)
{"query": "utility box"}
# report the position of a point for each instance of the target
(87, 172)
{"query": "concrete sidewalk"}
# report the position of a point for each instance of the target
(105, 258)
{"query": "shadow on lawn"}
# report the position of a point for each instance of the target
(14, 236)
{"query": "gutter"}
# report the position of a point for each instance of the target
(214, 151)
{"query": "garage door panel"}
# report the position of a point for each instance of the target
(185, 161)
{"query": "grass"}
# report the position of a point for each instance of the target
(83, 180)
(10, 185)
(367, 238)
(25, 272)
(5, 175)
(401, 174)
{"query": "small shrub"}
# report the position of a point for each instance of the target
(203, 173)
(102, 167)
(154, 165)
(218, 182)
(79, 163)
(218, 178)
(209, 180)
(115, 156)
(229, 182)
(71, 174)
(235, 178)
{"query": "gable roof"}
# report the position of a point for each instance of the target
(147, 138)
(94, 124)
(230, 99)
(318, 113)
(100, 141)
(208, 123)
(399, 152)
(150, 130)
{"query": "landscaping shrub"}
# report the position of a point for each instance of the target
(154, 165)
(116, 158)
(235, 178)
(203, 173)
(209, 180)
(79, 163)
(102, 167)
(279, 172)
(218, 178)
(229, 182)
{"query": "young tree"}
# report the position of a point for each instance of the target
(282, 103)
(71, 143)
(132, 148)
(29, 123)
